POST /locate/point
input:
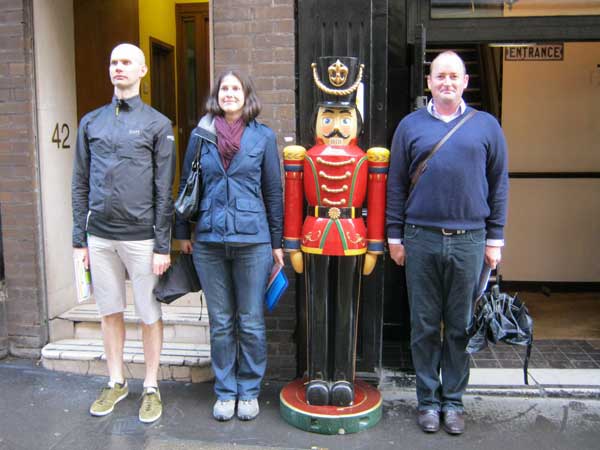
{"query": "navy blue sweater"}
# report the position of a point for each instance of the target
(465, 185)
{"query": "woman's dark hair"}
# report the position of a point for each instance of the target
(252, 105)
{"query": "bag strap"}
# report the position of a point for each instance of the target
(422, 166)
(527, 356)
(196, 162)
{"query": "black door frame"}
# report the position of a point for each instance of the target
(509, 29)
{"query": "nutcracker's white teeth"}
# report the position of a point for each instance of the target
(336, 141)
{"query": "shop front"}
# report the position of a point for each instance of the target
(534, 64)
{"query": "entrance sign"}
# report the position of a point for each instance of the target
(544, 52)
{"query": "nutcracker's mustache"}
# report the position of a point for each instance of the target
(337, 133)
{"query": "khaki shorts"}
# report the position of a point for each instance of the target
(109, 260)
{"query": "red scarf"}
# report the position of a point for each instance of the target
(229, 136)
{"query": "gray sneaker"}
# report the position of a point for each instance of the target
(224, 410)
(248, 409)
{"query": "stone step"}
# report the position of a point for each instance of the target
(181, 323)
(178, 361)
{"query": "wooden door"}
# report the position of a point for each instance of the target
(100, 25)
(350, 28)
(193, 68)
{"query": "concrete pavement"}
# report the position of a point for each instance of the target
(40, 409)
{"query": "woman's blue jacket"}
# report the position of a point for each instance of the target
(243, 205)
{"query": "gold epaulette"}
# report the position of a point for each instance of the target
(294, 153)
(378, 154)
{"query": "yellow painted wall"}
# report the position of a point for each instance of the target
(157, 20)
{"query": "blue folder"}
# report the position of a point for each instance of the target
(278, 283)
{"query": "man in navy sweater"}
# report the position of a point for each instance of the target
(450, 224)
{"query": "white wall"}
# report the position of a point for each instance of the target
(552, 231)
(552, 8)
(551, 111)
(551, 118)
(56, 104)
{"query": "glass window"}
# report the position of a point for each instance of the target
(461, 9)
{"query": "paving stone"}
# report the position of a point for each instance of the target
(202, 374)
(135, 371)
(98, 367)
(180, 373)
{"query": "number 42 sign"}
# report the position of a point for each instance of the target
(60, 135)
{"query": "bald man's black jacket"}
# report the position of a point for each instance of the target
(123, 174)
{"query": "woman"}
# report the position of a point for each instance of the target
(237, 237)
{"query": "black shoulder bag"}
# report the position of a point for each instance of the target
(188, 200)
(179, 280)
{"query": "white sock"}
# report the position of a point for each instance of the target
(111, 383)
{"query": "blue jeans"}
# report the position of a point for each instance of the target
(442, 273)
(234, 280)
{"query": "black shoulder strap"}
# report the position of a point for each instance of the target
(422, 166)
(198, 151)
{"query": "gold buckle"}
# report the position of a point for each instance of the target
(334, 213)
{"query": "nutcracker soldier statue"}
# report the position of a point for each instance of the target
(333, 245)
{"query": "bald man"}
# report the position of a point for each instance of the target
(122, 211)
(442, 228)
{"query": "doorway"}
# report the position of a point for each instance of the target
(193, 68)
(548, 110)
(73, 40)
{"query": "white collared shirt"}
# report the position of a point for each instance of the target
(459, 111)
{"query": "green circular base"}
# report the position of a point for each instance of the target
(364, 414)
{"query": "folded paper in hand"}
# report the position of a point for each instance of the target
(276, 286)
(83, 280)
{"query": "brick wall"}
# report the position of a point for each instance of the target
(19, 190)
(257, 37)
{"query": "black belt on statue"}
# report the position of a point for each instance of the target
(333, 212)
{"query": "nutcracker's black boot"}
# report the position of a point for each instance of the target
(317, 393)
(342, 393)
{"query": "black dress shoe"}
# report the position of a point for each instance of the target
(342, 393)
(454, 422)
(429, 420)
(317, 393)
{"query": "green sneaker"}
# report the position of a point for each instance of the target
(151, 408)
(108, 398)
